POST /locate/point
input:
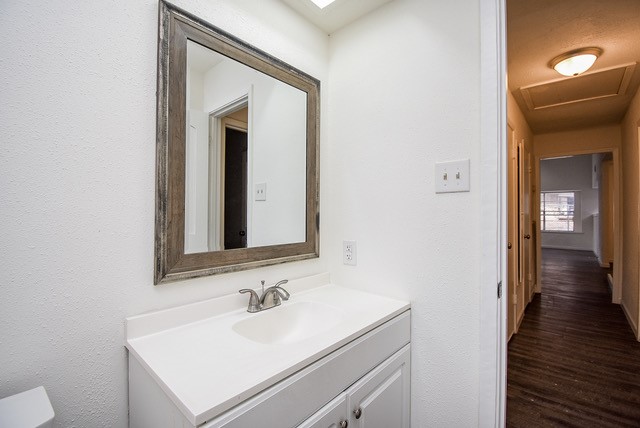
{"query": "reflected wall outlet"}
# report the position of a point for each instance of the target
(261, 192)
(349, 253)
(452, 176)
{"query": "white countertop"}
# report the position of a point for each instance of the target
(206, 368)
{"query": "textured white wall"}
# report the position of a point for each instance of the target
(77, 165)
(404, 94)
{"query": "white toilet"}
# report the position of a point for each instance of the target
(29, 409)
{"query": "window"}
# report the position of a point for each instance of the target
(558, 211)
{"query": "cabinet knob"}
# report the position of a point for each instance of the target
(527, 236)
(344, 424)
(358, 412)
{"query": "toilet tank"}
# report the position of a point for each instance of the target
(29, 409)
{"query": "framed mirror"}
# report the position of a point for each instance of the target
(237, 154)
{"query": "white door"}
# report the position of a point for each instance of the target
(527, 206)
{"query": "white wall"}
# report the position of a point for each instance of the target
(404, 94)
(196, 219)
(573, 173)
(196, 235)
(77, 166)
(631, 214)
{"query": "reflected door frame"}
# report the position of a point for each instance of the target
(216, 157)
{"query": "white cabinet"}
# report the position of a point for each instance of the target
(370, 373)
(333, 415)
(380, 399)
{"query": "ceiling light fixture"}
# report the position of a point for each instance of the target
(575, 62)
(322, 3)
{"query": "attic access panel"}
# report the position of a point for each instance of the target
(600, 84)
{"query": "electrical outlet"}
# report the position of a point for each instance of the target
(261, 192)
(349, 253)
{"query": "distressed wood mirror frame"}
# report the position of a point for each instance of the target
(171, 263)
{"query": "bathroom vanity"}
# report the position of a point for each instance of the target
(328, 357)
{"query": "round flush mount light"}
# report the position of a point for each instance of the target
(575, 62)
(322, 3)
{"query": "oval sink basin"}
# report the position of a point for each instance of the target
(289, 323)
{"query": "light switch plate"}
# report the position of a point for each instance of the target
(452, 176)
(261, 192)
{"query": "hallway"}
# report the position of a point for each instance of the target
(574, 361)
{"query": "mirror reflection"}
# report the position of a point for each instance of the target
(245, 174)
(237, 177)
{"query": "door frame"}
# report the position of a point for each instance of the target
(238, 101)
(511, 282)
(493, 192)
(616, 292)
(493, 127)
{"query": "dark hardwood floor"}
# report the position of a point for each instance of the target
(574, 361)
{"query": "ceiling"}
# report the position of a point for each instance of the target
(337, 14)
(539, 30)
(200, 58)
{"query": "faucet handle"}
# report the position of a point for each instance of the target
(279, 283)
(254, 300)
(281, 291)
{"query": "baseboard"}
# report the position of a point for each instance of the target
(631, 321)
(610, 281)
(562, 247)
(519, 323)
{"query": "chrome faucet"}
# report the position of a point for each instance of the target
(271, 297)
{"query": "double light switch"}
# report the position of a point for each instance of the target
(452, 176)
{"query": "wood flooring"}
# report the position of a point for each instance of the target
(574, 361)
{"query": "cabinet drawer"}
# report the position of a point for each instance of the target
(291, 401)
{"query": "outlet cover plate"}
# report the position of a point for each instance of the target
(261, 192)
(349, 253)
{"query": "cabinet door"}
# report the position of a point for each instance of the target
(333, 415)
(381, 399)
